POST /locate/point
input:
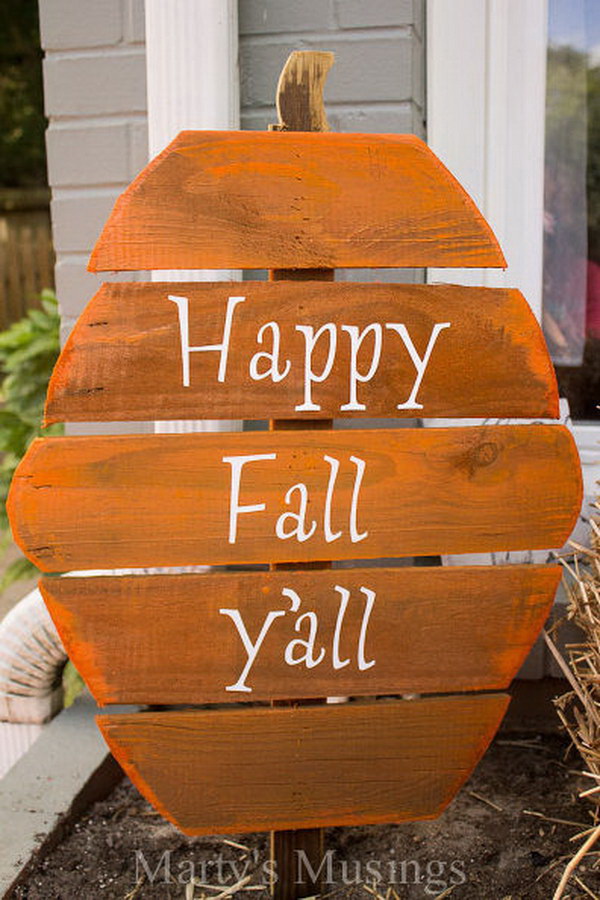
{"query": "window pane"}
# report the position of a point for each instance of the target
(572, 202)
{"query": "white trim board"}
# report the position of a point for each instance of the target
(486, 83)
(193, 83)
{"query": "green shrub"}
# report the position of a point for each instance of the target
(28, 351)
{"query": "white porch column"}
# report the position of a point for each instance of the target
(193, 83)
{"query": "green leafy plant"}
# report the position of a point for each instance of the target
(28, 351)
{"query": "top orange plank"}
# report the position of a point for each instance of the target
(293, 200)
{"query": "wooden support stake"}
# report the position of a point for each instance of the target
(296, 855)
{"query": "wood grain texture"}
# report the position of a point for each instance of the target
(241, 770)
(289, 200)
(123, 360)
(153, 500)
(162, 639)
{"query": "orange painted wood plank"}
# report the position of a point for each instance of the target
(154, 500)
(239, 770)
(285, 200)
(173, 639)
(124, 359)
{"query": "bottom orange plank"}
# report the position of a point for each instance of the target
(254, 769)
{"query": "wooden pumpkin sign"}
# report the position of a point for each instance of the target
(299, 349)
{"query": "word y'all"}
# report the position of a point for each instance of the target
(303, 650)
(270, 363)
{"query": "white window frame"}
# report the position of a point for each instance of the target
(486, 86)
(486, 82)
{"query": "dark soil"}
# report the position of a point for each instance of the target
(486, 846)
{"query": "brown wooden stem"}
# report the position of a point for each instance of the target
(300, 108)
(295, 854)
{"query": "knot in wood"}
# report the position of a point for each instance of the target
(484, 454)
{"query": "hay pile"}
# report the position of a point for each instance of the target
(579, 708)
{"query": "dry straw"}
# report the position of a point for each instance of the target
(579, 708)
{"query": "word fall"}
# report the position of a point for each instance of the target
(294, 524)
(267, 363)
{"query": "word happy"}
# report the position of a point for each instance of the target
(269, 363)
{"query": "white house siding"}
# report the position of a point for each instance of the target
(97, 138)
